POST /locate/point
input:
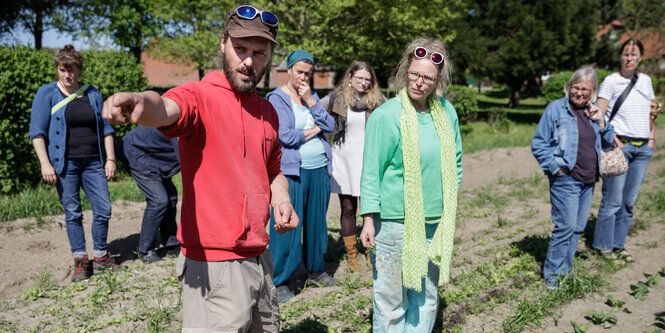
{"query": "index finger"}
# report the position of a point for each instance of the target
(117, 106)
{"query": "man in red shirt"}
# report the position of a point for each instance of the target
(230, 160)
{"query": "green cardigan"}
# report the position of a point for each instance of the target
(382, 182)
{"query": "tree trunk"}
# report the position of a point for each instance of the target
(514, 99)
(136, 51)
(38, 30)
(201, 71)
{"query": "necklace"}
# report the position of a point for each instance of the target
(65, 90)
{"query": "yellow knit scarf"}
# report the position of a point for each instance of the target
(415, 254)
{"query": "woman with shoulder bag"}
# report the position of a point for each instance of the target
(68, 133)
(625, 99)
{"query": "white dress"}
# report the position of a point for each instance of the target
(347, 159)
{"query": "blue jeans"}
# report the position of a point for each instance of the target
(87, 173)
(396, 308)
(619, 196)
(310, 194)
(571, 202)
(161, 198)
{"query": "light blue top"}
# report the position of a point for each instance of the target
(312, 152)
(291, 138)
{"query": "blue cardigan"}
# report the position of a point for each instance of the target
(290, 138)
(54, 127)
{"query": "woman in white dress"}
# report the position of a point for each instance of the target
(350, 104)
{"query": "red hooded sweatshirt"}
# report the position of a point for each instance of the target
(229, 149)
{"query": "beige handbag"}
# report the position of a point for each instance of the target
(613, 162)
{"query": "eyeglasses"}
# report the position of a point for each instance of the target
(427, 79)
(362, 79)
(249, 12)
(421, 52)
(575, 90)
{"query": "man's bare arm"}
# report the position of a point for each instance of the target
(145, 108)
(285, 218)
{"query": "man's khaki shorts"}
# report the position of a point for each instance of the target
(228, 296)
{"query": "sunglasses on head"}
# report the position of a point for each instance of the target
(421, 52)
(249, 12)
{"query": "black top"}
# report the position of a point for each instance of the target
(586, 165)
(81, 128)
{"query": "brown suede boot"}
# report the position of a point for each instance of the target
(352, 253)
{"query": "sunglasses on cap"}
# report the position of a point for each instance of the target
(421, 52)
(249, 12)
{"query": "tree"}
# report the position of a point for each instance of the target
(525, 40)
(640, 14)
(376, 31)
(131, 24)
(9, 11)
(193, 31)
(38, 16)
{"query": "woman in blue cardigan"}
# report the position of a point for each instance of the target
(306, 163)
(68, 132)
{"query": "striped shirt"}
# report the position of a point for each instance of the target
(632, 119)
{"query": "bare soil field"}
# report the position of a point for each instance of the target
(504, 204)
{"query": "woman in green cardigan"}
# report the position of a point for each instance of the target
(412, 170)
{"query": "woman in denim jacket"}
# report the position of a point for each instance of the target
(567, 145)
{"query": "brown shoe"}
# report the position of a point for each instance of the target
(81, 269)
(350, 244)
(104, 263)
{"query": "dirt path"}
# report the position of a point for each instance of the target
(25, 252)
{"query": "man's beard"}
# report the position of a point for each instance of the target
(236, 82)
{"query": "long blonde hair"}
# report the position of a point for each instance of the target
(432, 45)
(349, 96)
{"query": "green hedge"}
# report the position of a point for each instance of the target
(22, 71)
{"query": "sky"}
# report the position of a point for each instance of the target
(50, 39)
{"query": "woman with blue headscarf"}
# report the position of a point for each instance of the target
(306, 163)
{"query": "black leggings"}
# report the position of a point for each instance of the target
(349, 205)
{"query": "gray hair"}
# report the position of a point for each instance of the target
(444, 69)
(581, 75)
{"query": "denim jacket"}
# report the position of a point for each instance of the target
(290, 138)
(54, 127)
(555, 142)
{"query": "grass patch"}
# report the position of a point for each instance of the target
(42, 200)
(484, 136)
(126, 300)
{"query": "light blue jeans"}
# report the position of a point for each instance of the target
(619, 196)
(87, 173)
(398, 309)
(571, 202)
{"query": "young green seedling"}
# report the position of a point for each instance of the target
(615, 303)
(638, 290)
(579, 328)
(601, 318)
(652, 280)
